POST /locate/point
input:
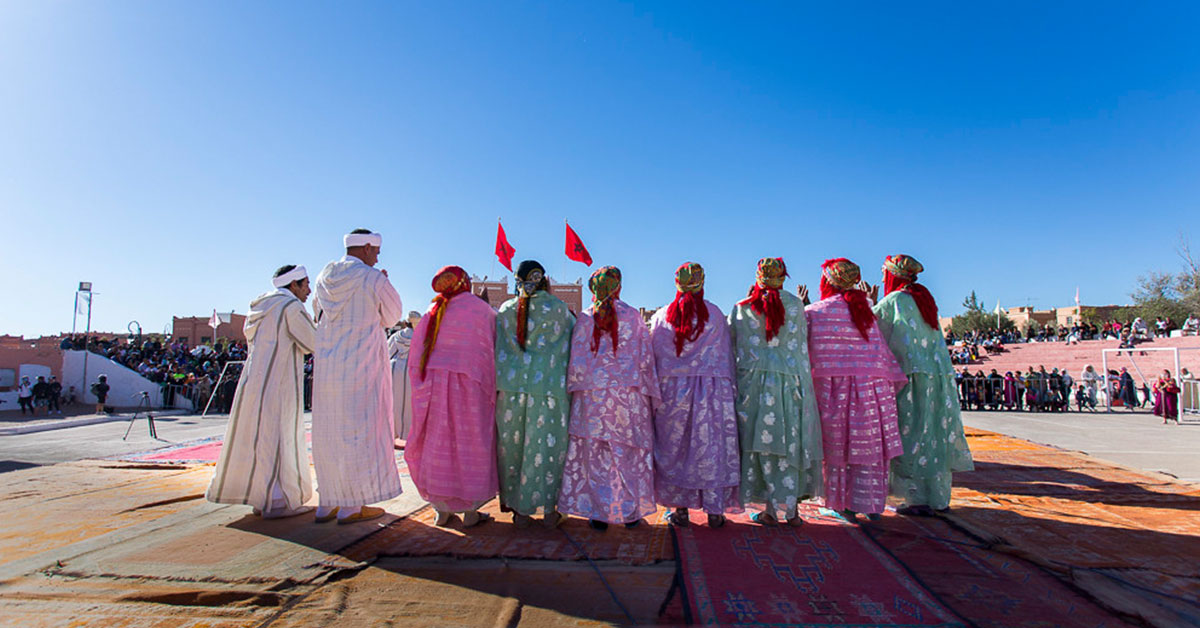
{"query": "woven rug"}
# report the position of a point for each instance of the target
(199, 451)
(822, 574)
(416, 535)
(992, 588)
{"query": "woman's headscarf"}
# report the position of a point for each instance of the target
(605, 285)
(764, 295)
(531, 277)
(448, 282)
(688, 314)
(900, 273)
(841, 276)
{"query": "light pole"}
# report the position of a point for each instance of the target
(85, 288)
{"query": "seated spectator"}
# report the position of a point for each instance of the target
(1140, 330)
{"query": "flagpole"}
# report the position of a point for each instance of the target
(493, 269)
(83, 387)
(563, 266)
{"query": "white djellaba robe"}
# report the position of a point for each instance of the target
(352, 433)
(398, 347)
(264, 460)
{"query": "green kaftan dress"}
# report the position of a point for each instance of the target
(930, 416)
(533, 405)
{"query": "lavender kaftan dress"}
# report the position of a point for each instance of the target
(696, 457)
(609, 473)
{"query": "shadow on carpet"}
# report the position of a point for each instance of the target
(416, 535)
(1128, 539)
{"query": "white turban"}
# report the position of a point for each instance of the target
(295, 274)
(363, 239)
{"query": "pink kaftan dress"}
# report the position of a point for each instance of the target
(451, 449)
(856, 382)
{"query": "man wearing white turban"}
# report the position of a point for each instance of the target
(264, 460)
(352, 384)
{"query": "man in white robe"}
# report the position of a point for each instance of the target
(352, 429)
(398, 348)
(264, 460)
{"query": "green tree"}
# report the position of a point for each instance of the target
(976, 318)
(1187, 283)
(1157, 295)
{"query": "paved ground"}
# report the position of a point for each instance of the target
(13, 415)
(1132, 439)
(102, 440)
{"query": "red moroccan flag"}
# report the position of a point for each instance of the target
(575, 248)
(504, 250)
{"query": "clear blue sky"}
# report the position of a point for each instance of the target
(176, 153)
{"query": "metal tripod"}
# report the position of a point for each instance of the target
(144, 404)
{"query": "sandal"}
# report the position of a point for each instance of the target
(678, 519)
(850, 516)
(763, 519)
(915, 511)
(444, 519)
(716, 521)
(470, 521)
(366, 513)
(329, 516)
(796, 521)
(557, 521)
(521, 521)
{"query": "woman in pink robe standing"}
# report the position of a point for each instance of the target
(451, 450)
(856, 377)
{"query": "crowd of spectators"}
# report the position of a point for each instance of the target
(1056, 390)
(1032, 391)
(969, 347)
(178, 368)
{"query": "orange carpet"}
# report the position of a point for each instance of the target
(1129, 538)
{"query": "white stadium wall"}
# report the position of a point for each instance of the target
(126, 385)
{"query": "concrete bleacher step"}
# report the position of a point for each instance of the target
(1075, 357)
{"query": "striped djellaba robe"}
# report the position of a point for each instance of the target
(264, 450)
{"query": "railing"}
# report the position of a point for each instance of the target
(181, 396)
(1189, 401)
(221, 398)
(1043, 394)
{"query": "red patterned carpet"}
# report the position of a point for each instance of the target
(824, 573)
